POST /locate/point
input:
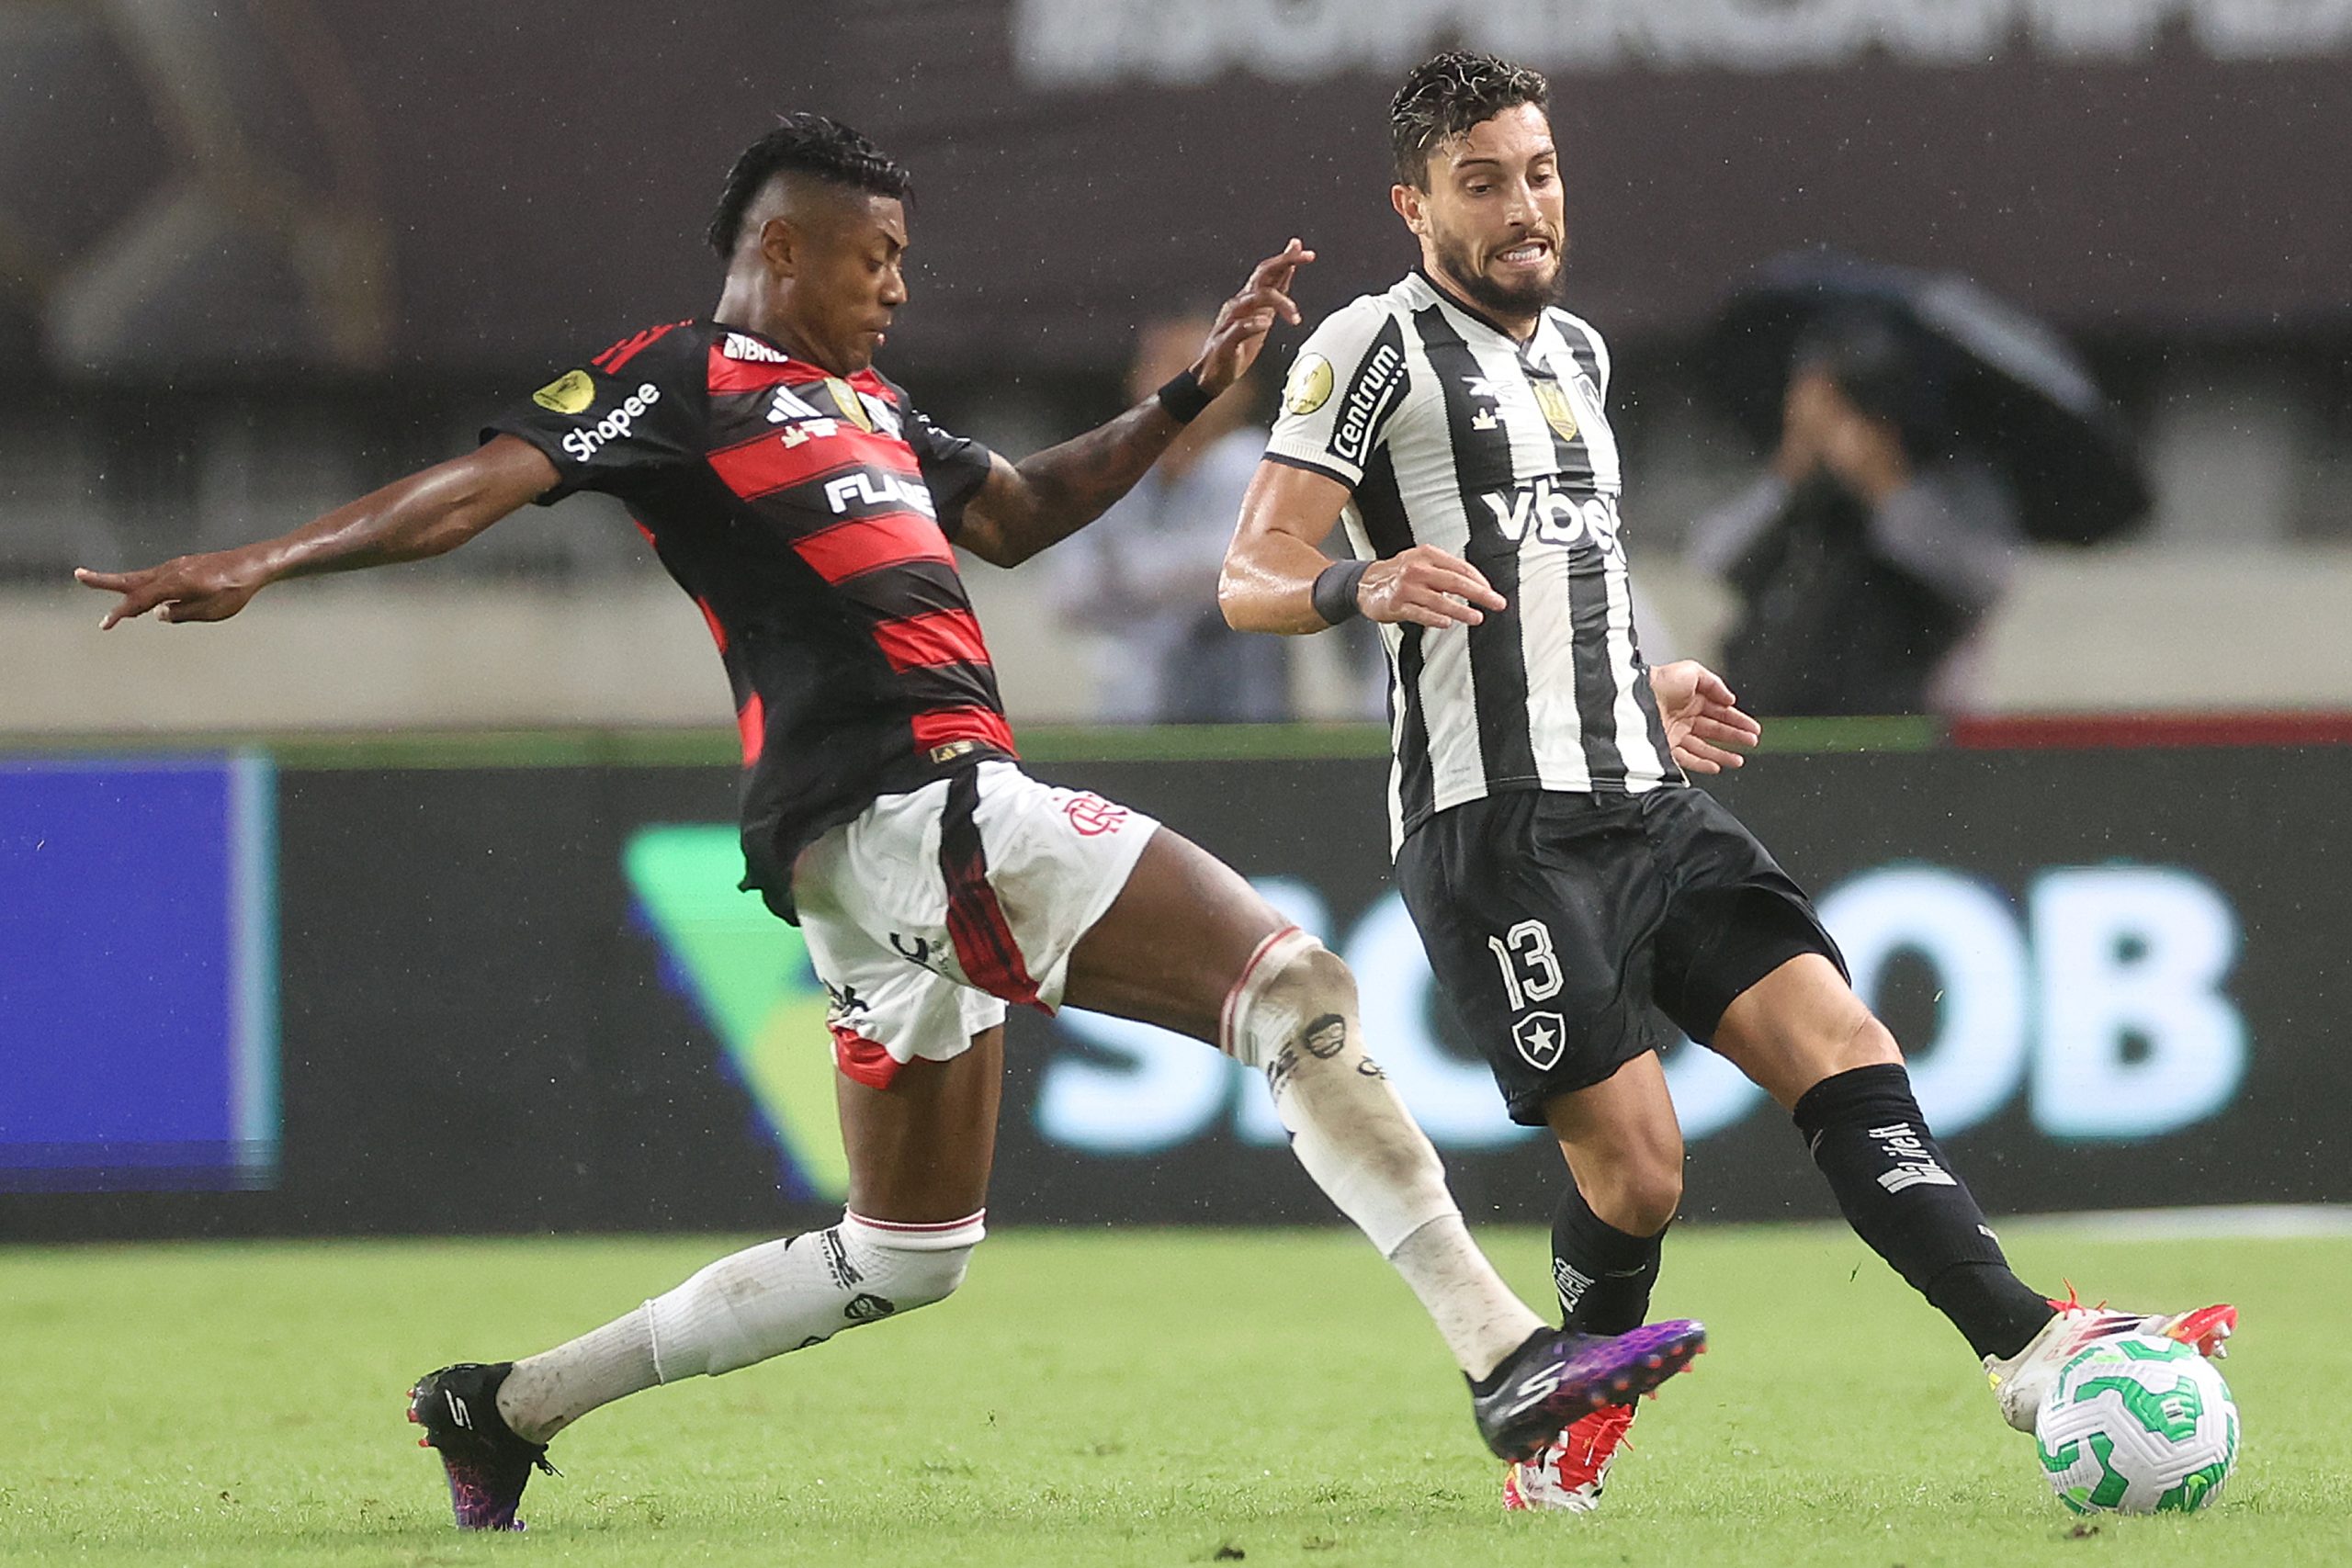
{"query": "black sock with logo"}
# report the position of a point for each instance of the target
(1900, 1196)
(1603, 1275)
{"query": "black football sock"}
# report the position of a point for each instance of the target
(1603, 1275)
(1899, 1193)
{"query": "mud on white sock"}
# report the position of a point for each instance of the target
(1293, 1016)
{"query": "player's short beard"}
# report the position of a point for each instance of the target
(1454, 260)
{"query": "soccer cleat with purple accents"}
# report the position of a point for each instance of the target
(488, 1465)
(1558, 1376)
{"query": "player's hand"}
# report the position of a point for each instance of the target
(1243, 321)
(1702, 717)
(1428, 587)
(188, 588)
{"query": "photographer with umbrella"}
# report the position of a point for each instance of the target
(1926, 431)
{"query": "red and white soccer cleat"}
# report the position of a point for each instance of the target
(1570, 1474)
(2021, 1381)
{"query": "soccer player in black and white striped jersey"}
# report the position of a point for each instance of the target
(1579, 900)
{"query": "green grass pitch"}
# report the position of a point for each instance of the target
(1103, 1398)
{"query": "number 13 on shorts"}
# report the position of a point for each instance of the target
(1530, 968)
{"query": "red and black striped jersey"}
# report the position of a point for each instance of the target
(809, 516)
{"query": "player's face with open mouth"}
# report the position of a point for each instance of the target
(855, 281)
(1496, 217)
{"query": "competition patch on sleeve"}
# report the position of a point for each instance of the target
(570, 392)
(1309, 385)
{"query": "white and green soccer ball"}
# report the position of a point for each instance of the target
(2138, 1425)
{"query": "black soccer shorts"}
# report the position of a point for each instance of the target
(1573, 932)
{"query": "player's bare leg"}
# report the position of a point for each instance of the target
(1181, 948)
(1798, 1025)
(1624, 1145)
(1623, 1148)
(1170, 946)
(919, 1155)
(920, 1152)
(1191, 946)
(1803, 1036)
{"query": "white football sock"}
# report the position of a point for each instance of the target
(546, 1392)
(778, 1296)
(1292, 1015)
(1479, 1318)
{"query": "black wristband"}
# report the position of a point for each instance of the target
(1184, 397)
(1335, 589)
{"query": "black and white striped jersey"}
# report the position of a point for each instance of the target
(1450, 433)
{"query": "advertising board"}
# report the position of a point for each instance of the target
(528, 998)
(138, 975)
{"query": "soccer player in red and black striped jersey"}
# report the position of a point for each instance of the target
(810, 510)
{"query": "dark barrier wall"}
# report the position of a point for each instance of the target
(523, 998)
(440, 185)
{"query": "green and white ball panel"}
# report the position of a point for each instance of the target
(2138, 1425)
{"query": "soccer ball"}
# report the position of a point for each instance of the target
(2138, 1425)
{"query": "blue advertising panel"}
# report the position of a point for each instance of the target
(138, 975)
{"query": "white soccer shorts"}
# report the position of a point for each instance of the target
(930, 911)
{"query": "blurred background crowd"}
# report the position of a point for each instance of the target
(1993, 356)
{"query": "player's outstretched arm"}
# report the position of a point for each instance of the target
(1703, 720)
(1276, 559)
(424, 515)
(1024, 508)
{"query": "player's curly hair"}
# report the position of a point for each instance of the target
(1444, 97)
(813, 144)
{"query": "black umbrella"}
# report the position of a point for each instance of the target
(2014, 391)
